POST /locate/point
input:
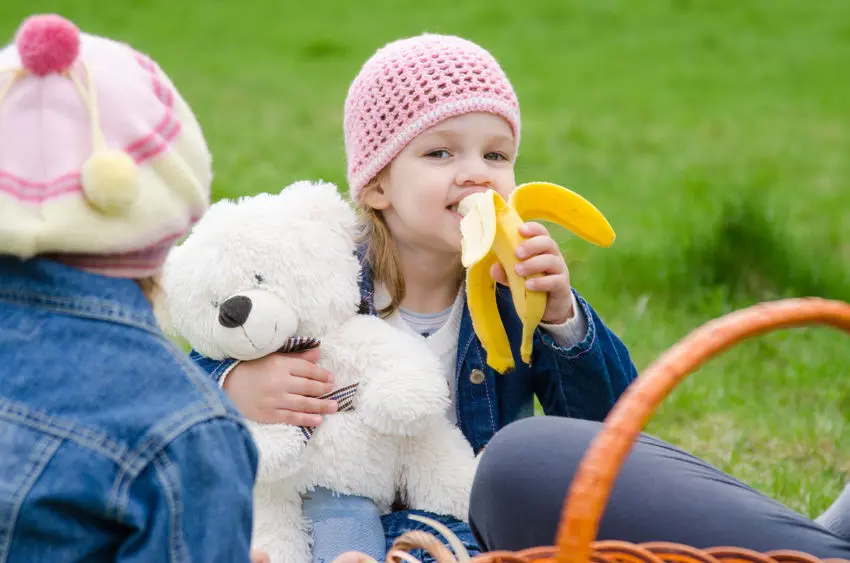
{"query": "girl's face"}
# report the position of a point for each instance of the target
(420, 190)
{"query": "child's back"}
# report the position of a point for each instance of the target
(112, 446)
(109, 436)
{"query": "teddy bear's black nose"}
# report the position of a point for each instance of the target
(234, 311)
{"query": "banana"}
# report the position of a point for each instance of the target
(490, 234)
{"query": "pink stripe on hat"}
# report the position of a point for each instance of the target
(411, 85)
(68, 184)
(141, 145)
(137, 262)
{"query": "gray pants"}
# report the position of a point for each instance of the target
(662, 494)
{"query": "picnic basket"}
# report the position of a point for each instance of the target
(594, 479)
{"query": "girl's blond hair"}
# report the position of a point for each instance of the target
(151, 287)
(153, 291)
(381, 255)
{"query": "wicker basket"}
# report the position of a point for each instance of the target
(591, 487)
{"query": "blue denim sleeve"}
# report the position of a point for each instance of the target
(194, 501)
(215, 368)
(586, 379)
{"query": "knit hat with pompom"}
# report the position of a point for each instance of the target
(102, 163)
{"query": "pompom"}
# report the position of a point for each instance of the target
(110, 181)
(47, 43)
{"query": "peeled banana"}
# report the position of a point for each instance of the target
(490, 233)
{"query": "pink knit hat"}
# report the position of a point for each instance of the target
(412, 84)
(102, 163)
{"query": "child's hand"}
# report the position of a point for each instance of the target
(258, 556)
(353, 557)
(281, 388)
(540, 254)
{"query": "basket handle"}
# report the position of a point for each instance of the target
(591, 487)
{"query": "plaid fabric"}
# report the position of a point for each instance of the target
(345, 399)
(297, 344)
(344, 396)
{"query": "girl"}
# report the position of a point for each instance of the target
(429, 120)
(112, 446)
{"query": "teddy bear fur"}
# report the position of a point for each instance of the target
(292, 255)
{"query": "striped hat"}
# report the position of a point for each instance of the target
(102, 163)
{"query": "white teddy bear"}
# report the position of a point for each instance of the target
(272, 272)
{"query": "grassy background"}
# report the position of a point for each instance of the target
(714, 135)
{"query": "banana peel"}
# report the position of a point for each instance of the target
(490, 234)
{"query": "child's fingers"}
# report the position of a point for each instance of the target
(542, 244)
(299, 365)
(307, 387)
(353, 557)
(308, 405)
(309, 370)
(547, 284)
(541, 264)
(533, 229)
(497, 272)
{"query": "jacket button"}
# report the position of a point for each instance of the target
(476, 376)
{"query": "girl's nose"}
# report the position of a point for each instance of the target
(473, 171)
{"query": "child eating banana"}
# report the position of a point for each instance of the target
(429, 121)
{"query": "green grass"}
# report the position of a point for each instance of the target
(715, 135)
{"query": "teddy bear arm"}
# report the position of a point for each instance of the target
(402, 385)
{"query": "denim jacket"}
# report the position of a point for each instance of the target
(113, 447)
(582, 381)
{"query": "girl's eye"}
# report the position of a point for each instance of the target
(495, 156)
(442, 153)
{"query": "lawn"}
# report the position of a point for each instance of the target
(714, 135)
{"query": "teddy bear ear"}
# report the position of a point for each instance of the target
(321, 201)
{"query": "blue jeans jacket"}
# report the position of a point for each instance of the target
(582, 381)
(113, 447)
